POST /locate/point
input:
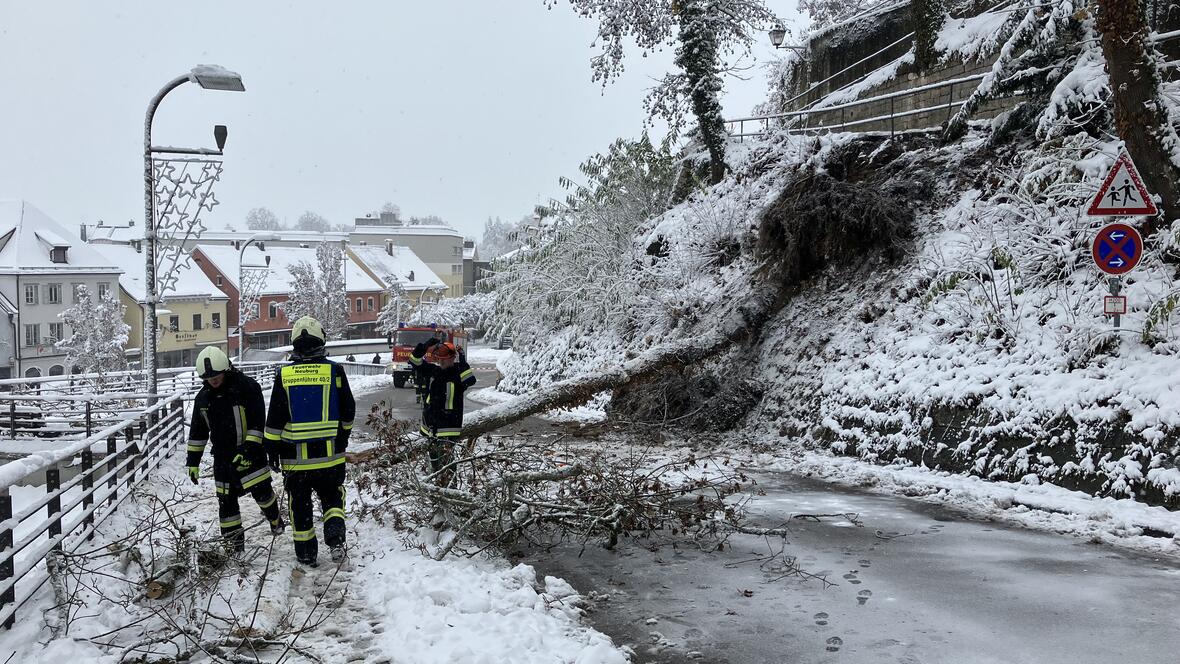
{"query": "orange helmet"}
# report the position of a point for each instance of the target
(443, 351)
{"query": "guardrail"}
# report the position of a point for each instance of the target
(365, 368)
(69, 513)
(800, 121)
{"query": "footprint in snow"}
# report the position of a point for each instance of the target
(863, 596)
(821, 618)
(852, 578)
(834, 643)
(864, 562)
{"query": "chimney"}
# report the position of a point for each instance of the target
(410, 276)
(389, 246)
(82, 230)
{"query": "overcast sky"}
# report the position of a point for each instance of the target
(465, 108)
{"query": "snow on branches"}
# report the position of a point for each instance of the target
(475, 311)
(318, 291)
(97, 333)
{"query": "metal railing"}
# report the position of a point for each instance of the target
(800, 121)
(365, 368)
(65, 407)
(69, 513)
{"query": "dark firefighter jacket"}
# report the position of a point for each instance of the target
(442, 409)
(232, 417)
(311, 413)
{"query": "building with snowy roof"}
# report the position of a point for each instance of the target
(268, 325)
(392, 263)
(440, 247)
(192, 313)
(42, 265)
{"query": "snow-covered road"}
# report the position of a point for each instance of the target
(915, 583)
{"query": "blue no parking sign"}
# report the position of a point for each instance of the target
(1117, 249)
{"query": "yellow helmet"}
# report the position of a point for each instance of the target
(211, 361)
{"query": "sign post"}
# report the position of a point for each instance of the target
(1118, 247)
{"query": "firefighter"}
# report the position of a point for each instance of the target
(445, 378)
(307, 429)
(230, 411)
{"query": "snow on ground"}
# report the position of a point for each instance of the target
(391, 604)
(487, 355)
(366, 384)
(1116, 521)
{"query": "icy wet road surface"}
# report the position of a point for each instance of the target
(915, 583)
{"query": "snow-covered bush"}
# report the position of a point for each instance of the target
(319, 291)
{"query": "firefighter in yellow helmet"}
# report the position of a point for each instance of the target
(229, 411)
(307, 429)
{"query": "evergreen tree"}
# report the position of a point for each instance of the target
(98, 333)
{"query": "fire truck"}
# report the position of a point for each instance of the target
(409, 336)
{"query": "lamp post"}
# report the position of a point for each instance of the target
(778, 33)
(209, 77)
(260, 238)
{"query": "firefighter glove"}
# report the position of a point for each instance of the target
(432, 342)
(241, 463)
(275, 462)
(193, 473)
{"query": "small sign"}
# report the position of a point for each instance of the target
(1122, 192)
(1114, 305)
(1117, 249)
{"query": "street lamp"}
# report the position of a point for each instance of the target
(260, 238)
(209, 77)
(778, 33)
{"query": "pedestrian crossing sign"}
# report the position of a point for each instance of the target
(1122, 192)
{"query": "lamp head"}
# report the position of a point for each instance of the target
(219, 134)
(777, 34)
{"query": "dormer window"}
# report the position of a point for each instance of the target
(57, 255)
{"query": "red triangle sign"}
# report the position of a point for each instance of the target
(1122, 192)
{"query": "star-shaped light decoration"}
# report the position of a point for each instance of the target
(180, 199)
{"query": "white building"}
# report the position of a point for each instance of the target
(41, 266)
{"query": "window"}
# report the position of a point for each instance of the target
(32, 372)
(31, 293)
(219, 280)
(174, 323)
(272, 310)
(74, 288)
(57, 255)
(458, 251)
(103, 289)
(56, 370)
(254, 310)
(32, 335)
(215, 320)
(196, 321)
(53, 294)
(358, 305)
(456, 269)
(57, 331)
(372, 305)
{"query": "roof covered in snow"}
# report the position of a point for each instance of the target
(225, 259)
(28, 235)
(191, 282)
(399, 262)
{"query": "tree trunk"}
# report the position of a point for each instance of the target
(699, 59)
(1140, 117)
(579, 389)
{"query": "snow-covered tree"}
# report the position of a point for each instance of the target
(262, 219)
(397, 307)
(319, 290)
(498, 237)
(311, 221)
(824, 13)
(98, 333)
(474, 312)
(703, 32)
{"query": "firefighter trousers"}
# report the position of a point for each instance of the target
(230, 514)
(442, 454)
(328, 485)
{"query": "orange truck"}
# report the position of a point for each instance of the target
(409, 336)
